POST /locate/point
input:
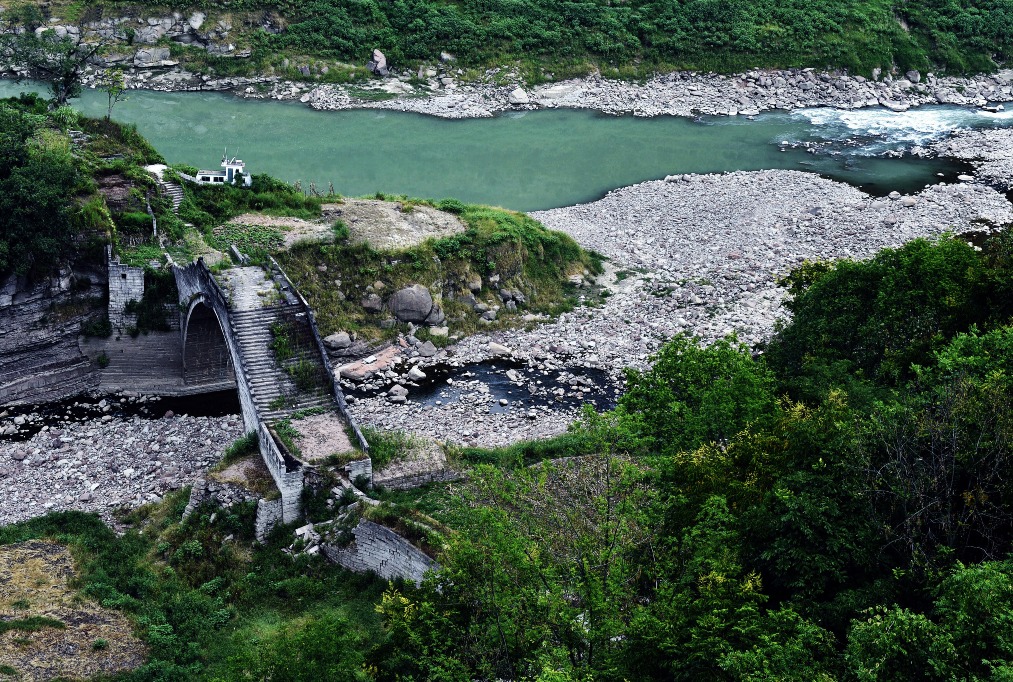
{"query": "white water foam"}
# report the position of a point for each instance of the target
(898, 129)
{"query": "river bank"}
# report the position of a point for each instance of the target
(990, 152)
(695, 254)
(446, 95)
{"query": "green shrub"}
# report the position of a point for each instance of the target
(241, 447)
(97, 327)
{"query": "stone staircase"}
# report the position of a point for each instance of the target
(275, 391)
(174, 192)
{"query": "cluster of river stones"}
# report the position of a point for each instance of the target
(693, 254)
(103, 464)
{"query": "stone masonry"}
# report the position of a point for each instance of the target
(382, 551)
(126, 283)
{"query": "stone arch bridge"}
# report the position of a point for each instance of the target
(226, 333)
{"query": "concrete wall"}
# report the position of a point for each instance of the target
(382, 551)
(126, 283)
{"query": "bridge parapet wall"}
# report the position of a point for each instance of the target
(336, 392)
(288, 479)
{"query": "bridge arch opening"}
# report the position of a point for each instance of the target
(206, 357)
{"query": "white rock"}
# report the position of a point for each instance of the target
(518, 96)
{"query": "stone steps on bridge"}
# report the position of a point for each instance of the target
(274, 391)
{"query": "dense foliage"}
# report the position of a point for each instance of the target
(56, 170)
(36, 172)
(207, 608)
(838, 509)
(959, 35)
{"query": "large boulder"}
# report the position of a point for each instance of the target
(415, 304)
(372, 303)
(378, 64)
(338, 341)
(151, 56)
(518, 96)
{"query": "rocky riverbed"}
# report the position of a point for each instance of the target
(446, 95)
(98, 466)
(696, 254)
(989, 151)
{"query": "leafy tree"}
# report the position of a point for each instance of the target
(694, 395)
(36, 176)
(787, 648)
(115, 86)
(45, 56)
(975, 604)
(897, 645)
(872, 320)
(812, 528)
(707, 604)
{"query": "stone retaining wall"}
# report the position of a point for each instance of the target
(126, 283)
(269, 514)
(382, 551)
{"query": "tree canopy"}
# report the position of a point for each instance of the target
(37, 180)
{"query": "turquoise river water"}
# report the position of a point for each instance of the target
(530, 160)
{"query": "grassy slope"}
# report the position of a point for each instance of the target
(209, 608)
(553, 39)
(518, 249)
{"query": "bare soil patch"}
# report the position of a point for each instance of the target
(388, 225)
(250, 473)
(34, 581)
(322, 435)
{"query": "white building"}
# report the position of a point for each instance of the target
(234, 171)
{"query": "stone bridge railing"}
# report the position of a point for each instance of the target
(336, 392)
(197, 286)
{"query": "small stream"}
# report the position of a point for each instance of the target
(20, 423)
(508, 386)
